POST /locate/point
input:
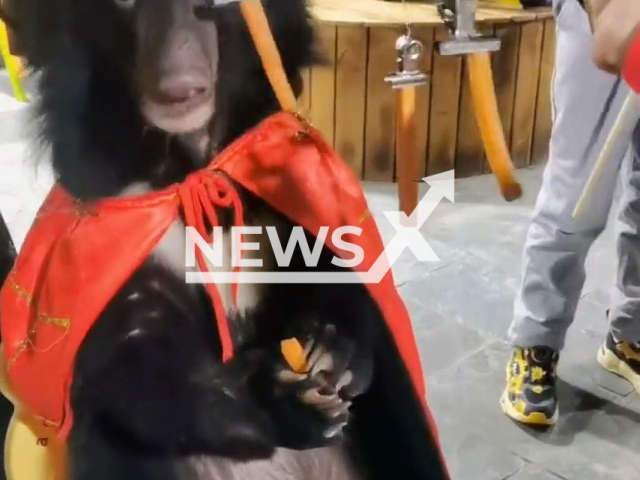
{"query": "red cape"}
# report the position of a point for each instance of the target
(65, 273)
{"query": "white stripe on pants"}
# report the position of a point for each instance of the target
(556, 247)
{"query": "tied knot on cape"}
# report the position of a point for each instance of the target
(200, 195)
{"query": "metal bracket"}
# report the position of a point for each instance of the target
(408, 53)
(461, 22)
(204, 7)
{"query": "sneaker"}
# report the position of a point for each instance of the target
(530, 394)
(621, 358)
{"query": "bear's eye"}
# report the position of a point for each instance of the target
(125, 4)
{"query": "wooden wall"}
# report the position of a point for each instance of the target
(352, 105)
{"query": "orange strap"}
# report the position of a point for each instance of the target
(256, 19)
(406, 148)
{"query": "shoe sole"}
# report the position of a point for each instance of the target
(610, 362)
(534, 418)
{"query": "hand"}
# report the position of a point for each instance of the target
(615, 25)
(311, 409)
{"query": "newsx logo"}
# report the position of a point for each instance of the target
(407, 235)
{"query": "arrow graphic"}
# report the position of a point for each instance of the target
(407, 236)
(408, 228)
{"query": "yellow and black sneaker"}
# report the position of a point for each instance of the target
(621, 358)
(530, 394)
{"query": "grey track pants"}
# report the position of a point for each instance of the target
(553, 272)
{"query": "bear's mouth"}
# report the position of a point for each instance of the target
(180, 104)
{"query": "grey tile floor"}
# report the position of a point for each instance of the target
(461, 308)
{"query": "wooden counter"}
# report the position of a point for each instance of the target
(352, 105)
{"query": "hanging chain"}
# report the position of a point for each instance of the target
(406, 16)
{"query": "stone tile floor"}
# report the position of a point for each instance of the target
(461, 307)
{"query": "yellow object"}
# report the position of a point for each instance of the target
(294, 355)
(13, 64)
(486, 110)
(31, 449)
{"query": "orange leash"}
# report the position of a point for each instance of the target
(258, 24)
(256, 19)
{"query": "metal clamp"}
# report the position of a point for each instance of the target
(408, 54)
(461, 22)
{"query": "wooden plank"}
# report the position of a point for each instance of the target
(379, 133)
(542, 128)
(323, 85)
(469, 147)
(526, 92)
(351, 74)
(443, 114)
(393, 13)
(505, 69)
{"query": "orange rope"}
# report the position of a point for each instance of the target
(256, 19)
(199, 198)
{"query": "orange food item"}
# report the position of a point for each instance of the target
(294, 355)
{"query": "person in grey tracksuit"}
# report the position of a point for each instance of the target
(553, 268)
